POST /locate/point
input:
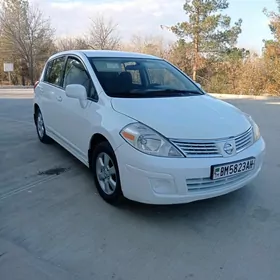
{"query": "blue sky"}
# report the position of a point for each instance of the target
(255, 23)
(144, 17)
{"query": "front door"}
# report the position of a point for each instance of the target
(77, 123)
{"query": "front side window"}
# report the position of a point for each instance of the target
(141, 77)
(75, 73)
(54, 75)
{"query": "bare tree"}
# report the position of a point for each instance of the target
(27, 31)
(103, 34)
(149, 44)
(66, 44)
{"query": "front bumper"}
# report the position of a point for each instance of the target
(156, 180)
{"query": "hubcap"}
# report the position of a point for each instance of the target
(40, 125)
(106, 173)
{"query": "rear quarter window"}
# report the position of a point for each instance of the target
(47, 71)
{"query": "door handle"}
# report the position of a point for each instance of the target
(59, 98)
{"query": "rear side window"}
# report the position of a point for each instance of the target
(135, 73)
(163, 77)
(54, 71)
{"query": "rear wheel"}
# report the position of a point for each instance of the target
(40, 127)
(106, 173)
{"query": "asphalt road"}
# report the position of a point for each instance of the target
(53, 225)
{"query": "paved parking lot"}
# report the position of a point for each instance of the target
(54, 225)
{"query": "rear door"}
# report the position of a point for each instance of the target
(51, 94)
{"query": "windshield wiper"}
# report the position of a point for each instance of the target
(155, 93)
(174, 91)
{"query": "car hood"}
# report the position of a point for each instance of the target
(191, 117)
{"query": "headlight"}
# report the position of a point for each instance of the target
(256, 130)
(148, 141)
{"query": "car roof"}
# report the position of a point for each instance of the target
(105, 53)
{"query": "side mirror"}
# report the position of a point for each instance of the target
(77, 91)
(199, 85)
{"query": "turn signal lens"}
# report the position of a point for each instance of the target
(128, 136)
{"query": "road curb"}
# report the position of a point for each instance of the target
(4, 90)
(243, 96)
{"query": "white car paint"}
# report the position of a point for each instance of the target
(165, 181)
(148, 178)
(180, 117)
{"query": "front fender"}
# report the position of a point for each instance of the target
(111, 124)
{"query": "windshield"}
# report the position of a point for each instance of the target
(141, 78)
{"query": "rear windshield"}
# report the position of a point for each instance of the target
(141, 78)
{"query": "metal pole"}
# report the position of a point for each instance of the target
(9, 74)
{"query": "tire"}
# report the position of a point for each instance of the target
(106, 173)
(40, 128)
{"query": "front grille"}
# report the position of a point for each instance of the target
(212, 148)
(193, 149)
(244, 140)
(206, 184)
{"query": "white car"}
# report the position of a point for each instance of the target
(144, 128)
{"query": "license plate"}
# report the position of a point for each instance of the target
(232, 168)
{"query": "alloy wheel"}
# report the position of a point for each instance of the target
(106, 173)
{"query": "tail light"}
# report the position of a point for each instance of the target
(36, 84)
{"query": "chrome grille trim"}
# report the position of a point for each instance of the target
(193, 149)
(244, 140)
(205, 184)
(209, 148)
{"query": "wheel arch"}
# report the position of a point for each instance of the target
(35, 110)
(95, 140)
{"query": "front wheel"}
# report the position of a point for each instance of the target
(106, 173)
